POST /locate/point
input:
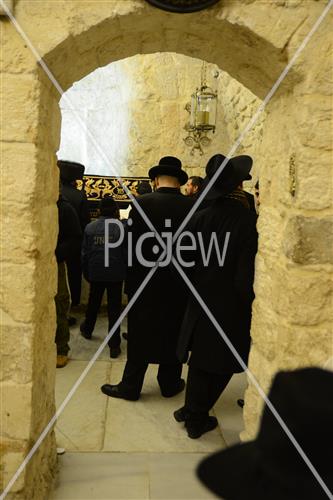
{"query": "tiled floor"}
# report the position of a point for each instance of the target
(118, 449)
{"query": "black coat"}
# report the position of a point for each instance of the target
(227, 290)
(155, 319)
(79, 202)
(70, 234)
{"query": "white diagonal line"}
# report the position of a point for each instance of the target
(253, 379)
(148, 277)
(71, 393)
(79, 120)
(256, 115)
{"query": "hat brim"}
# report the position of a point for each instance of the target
(218, 191)
(181, 175)
(237, 473)
(70, 170)
(221, 472)
(241, 171)
(242, 165)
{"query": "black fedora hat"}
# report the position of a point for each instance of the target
(270, 467)
(70, 170)
(236, 171)
(169, 165)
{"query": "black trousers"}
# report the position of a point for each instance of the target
(168, 378)
(62, 307)
(74, 272)
(203, 389)
(96, 292)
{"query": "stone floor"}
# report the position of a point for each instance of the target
(124, 450)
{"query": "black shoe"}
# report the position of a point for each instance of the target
(115, 352)
(71, 321)
(125, 335)
(194, 432)
(180, 415)
(240, 403)
(179, 389)
(83, 332)
(115, 392)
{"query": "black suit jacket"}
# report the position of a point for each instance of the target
(79, 202)
(227, 291)
(155, 319)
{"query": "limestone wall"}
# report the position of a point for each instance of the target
(134, 109)
(293, 310)
(251, 41)
(28, 281)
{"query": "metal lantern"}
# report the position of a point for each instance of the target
(202, 109)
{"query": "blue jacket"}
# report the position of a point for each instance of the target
(93, 262)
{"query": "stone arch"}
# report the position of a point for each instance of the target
(142, 100)
(74, 38)
(249, 58)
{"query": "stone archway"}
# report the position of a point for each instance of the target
(252, 41)
(134, 108)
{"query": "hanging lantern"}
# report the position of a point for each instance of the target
(202, 109)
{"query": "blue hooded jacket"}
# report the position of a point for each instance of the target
(93, 252)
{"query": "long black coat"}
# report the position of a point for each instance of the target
(79, 202)
(227, 290)
(70, 234)
(155, 319)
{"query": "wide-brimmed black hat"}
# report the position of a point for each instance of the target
(169, 165)
(108, 204)
(70, 170)
(234, 173)
(270, 467)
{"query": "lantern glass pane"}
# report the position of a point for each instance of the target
(206, 111)
(193, 110)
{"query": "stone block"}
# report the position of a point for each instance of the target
(19, 94)
(270, 223)
(15, 56)
(17, 172)
(17, 236)
(300, 346)
(16, 410)
(16, 350)
(10, 462)
(18, 293)
(43, 467)
(309, 240)
(302, 298)
(313, 172)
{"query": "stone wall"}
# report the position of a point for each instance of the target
(251, 41)
(28, 238)
(293, 313)
(134, 109)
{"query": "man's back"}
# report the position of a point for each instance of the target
(79, 202)
(166, 209)
(155, 319)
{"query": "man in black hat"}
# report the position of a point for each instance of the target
(270, 467)
(70, 172)
(155, 319)
(225, 288)
(68, 244)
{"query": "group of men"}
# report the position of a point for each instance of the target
(166, 324)
(165, 321)
(194, 307)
